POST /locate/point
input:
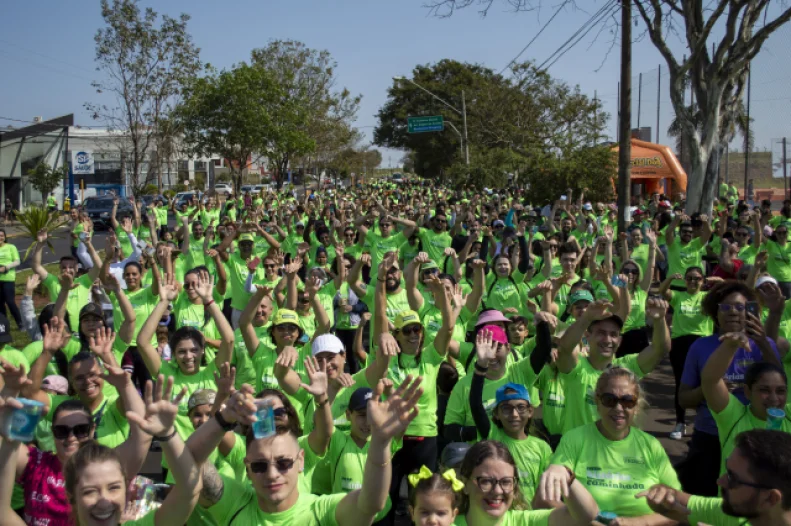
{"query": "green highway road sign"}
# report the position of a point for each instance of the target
(432, 123)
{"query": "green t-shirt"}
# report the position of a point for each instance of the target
(435, 244)
(580, 389)
(640, 256)
(245, 372)
(143, 302)
(778, 264)
(396, 303)
(379, 246)
(34, 349)
(681, 257)
(204, 379)
(551, 387)
(264, 365)
(504, 293)
(425, 424)
(79, 296)
(636, 318)
(8, 254)
(123, 240)
(77, 230)
(614, 471)
(112, 427)
(14, 356)
(339, 405)
(237, 275)
(736, 418)
(531, 455)
(161, 213)
(239, 502)
(458, 410)
(708, 510)
(688, 316)
(516, 518)
(208, 217)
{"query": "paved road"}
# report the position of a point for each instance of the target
(61, 243)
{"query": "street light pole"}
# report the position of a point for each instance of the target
(462, 111)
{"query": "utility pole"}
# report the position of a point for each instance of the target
(464, 117)
(625, 123)
(747, 133)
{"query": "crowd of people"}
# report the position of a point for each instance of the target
(400, 354)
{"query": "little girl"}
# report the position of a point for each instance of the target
(434, 498)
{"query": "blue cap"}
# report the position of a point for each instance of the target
(359, 399)
(519, 393)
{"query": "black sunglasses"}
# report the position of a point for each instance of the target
(412, 329)
(283, 465)
(630, 271)
(609, 400)
(80, 431)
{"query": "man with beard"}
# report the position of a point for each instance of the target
(238, 264)
(396, 295)
(603, 332)
(756, 487)
(436, 240)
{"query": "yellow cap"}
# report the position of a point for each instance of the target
(285, 316)
(408, 317)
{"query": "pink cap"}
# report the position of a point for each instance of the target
(491, 316)
(56, 383)
(498, 333)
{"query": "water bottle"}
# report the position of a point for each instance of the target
(21, 427)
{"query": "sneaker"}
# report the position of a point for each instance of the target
(678, 432)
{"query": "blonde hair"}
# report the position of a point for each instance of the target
(612, 373)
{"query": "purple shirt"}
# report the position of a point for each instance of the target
(696, 359)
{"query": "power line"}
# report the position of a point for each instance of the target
(45, 56)
(564, 48)
(535, 37)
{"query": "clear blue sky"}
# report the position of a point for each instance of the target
(47, 52)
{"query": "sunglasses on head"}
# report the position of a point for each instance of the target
(609, 400)
(283, 465)
(80, 431)
(412, 329)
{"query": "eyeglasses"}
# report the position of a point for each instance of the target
(80, 431)
(521, 409)
(733, 481)
(412, 329)
(283, 465)
(280, 411)
(487, 484)
(694, 278)
(609, 400)
(628, 271)
(727, 307)
(430, 272)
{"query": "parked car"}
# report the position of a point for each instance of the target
(149, 198)
(246, 188)
(99, 209)
(223, 189)
(187, 197)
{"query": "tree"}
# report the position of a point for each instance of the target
(232, 114)
(146, 62)
(310, 106)
(45, 178)
(716, 67)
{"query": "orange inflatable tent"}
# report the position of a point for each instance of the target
(652, 165)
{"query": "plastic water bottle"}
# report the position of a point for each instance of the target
(21, 427)
(264, 426)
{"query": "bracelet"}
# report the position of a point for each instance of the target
(480, 368)
(223, 423)
(208, 303)
(319, 405)
(572, 476)
(380, 280)
(166, 438)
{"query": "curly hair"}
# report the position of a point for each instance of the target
(711, 303)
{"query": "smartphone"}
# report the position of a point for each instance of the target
(562, 197)
(754, 309)
(253, 264)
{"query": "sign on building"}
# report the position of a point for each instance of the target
(82, 162)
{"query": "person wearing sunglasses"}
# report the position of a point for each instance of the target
(384, 239)
(41, 473)
(726, 305)
(274, 465)
(685, 251)
(755, 487)
(611, 456)
(638, 283)
(603, 332)
(492, 494)
(689, 324)
(437, 239)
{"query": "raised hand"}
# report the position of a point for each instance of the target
(735, 340)
(755, 329)
(168, 291)
(312, 286)
(161, 408)
(225, 380)
(116, 376)
(111, 283)
(53, 335)
(390, 418)
(41, 236)
(449, 252)
(771, 295)
(599, 310)
(288, 357)
(485, 348)
(422, 257)
(101, 344)
(66, 281)
(33, 281)
(554, 483)
(14, 378)
(388, 345)
(317, 376)
(656, 308)
(7, 405)
(205, 287)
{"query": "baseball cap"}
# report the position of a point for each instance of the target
(92, 309)
(498, 333)
(359, 399)
(453, 454)
(246, 237)
(613, 318)
(491, 316)
(587, 206)
(519, 392)
(763, 280)
(285, 316)
(407, 317)
(5, 330)
(57, 383)
(300, 223)
(326, 343)
(580, 295)
(429, 265)
(201, 397)
(498, 222)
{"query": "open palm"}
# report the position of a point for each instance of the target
(390, 418)
(161, 408)
(317, 376)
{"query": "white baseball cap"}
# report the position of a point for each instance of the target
(326, 343)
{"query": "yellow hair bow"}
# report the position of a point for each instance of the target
(423, 474)
(455, 483)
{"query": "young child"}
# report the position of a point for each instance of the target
(434, 498)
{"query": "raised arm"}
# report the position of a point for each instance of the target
(354, 275)
(323, 323)
(650, 357)
(442, 301)
(127, 329)
(51, 343)
(113, 220)
(205, 290)
(670, 233)
(567, 358)
(645, 284)
(712, 378)
(411, 275)
(319, 438)
(35, 263)
(486, 351)
(167, 293)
